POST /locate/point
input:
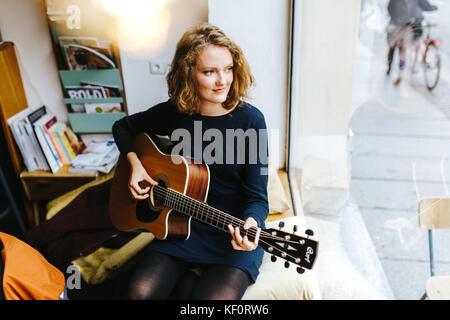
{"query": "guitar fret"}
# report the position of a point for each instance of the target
(206, 214)
(200, 211)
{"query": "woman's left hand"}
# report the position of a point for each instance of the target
(240, 242)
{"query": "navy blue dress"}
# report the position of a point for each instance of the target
(238, 174)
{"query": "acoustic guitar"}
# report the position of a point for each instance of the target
(180, 196)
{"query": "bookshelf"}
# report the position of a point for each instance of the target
(88, 59)
(37, 186)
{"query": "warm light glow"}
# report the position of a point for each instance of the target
(133, 9)
(142, 25)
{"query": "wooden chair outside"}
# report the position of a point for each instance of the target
(434, 213)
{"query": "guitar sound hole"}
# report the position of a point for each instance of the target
(146, 211)
(156, 195)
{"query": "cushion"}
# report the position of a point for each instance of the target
(275, 282)
(105, 263)
(324, 186)
(278, 202)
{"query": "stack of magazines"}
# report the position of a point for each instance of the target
(44, 142)
(99, 156)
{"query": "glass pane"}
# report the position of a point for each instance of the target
(401, 131)
(364, 151)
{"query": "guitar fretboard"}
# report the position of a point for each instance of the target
(202, 211)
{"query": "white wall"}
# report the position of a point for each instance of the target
(261, 29)
(24, 22)
(142, 88)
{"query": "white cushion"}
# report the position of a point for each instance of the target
(277, 199)
(275, 282)
(324, 186)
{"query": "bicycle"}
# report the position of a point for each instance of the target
(426, 47)
(428, 50)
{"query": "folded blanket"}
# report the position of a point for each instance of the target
(105, 263)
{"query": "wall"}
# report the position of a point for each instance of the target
(24, 22)
(261, 29)
(144, 89)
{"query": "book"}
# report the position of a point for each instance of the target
(77, 145)
(111, 90)
(101, 156)
(60, 132)
(92, 170)
(85, 92)
(85, 41)
(34, 116)
(51, 122)
(37, 114)
(81, 57)
(77, 107)
(47, 147)
(102, 107)
(26, 141)
(60, 145)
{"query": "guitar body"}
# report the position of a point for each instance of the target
(171, 171)
(180, 196)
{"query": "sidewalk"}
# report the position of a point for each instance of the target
(400, 152)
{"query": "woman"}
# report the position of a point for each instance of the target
(208, 78)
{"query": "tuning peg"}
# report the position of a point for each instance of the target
(300, 270)
(309, 232)
(286, 264)
(281, 224)
(273, 258)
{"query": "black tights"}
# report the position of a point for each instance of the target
(159, 276)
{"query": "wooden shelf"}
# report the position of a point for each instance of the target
(44, 185)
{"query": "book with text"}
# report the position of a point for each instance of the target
(27, 142)
(46, 144)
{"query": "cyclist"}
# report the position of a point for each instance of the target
(404, 13)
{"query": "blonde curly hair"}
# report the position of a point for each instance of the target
(180, 79)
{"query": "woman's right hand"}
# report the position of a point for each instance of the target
(140, 182)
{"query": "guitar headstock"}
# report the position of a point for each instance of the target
(291, 247)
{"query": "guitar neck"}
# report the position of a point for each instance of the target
(204, 213)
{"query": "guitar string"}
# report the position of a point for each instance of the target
(196, 207)
(163, 192)
(200, 208)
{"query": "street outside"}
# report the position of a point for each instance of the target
(400, 152)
